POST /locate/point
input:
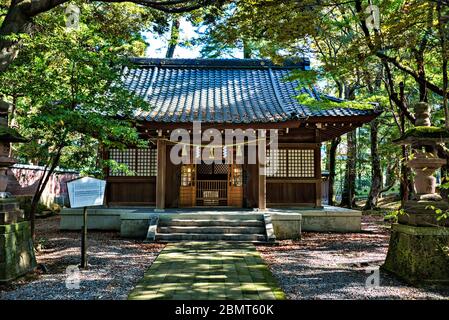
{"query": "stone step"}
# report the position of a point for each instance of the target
(210, 237)
(212, 229)
(212, 216)
(211, 222)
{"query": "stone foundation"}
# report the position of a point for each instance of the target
(16, 250)
(287, 226)
(135, 225)
(419, 254)
(287, 223)
(97, 219)
(332, 220)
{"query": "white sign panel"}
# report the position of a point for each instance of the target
(86, 192)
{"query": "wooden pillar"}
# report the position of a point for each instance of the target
(261, 161)
(319, 180)
(161, 170)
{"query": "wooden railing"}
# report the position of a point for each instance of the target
(212, 192)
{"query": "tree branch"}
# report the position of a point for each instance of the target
(393, 60)
(174, 6)
(21, 12)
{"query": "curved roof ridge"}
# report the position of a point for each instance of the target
(187, 90)
(299, 63)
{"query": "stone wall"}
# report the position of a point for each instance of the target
(16, 250)
(23, 180)
(287, 226)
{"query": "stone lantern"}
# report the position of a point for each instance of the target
(416, 251)
(424, 162)
(16, 245)
(7, 135)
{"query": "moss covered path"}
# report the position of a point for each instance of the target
(208, 270)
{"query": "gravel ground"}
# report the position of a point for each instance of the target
(319, 266)
(115, 265)
(336, 266)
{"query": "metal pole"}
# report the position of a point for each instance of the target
(84, 240)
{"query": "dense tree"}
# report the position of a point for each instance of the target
(397, 62)
(17, 17)
(358, 58)
(68, 96)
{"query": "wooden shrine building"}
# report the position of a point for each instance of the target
(226, 95)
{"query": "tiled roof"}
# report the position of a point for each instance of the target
(222, 91)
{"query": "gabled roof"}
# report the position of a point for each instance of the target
(223, 91)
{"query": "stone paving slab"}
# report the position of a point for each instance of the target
(208, 271)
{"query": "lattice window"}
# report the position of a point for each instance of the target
(293, 163)
(214, 168)
(146, 162)
(277, 163)
(126, 157)
(139, 162)
(204, 168)
(221, 168)
(301, 163)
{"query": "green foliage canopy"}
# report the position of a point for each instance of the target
(69, 99)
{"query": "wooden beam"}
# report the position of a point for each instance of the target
(300, 145)
(161, 170)
(152, 125)
(261, 161)
(292, 180)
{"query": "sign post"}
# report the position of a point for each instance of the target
(83, 193)
(84, 240)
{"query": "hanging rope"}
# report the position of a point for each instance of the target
(212, 146)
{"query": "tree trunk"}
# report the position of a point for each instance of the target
(174, 38)
(390, 177)
(247, 50)
(406, 177)
(41, 187)
(376, 174)
(442, 32)
(15, 22)
(348, 196)
(332, 160)
(405, 190)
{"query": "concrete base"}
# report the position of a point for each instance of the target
(419, 254)
(287, 223)
(332, 221)
(16, 251)
(136, 225)
(328, 219)
(97, 219)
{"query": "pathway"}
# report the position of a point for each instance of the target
(208, 270)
